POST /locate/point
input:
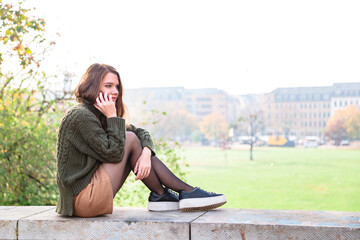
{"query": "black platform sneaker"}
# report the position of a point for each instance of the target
(200, 200)
(166, 202)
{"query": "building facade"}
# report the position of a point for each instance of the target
(304, 111)
(345, 95)
(203, 102)
(301, 111)
(199, 102)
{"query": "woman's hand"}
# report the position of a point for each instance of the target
(143, 165)
(106, 105)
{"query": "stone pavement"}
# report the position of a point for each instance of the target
(41, 222)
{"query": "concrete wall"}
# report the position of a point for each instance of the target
(41, 222)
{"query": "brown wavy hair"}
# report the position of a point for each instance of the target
(89, 87)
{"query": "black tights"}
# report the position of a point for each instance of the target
(159, 175)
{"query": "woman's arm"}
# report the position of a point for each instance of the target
(90, 138)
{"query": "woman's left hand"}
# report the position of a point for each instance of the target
(143, 165)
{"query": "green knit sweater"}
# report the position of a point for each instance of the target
(83, 145)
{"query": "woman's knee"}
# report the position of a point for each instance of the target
(132, 139)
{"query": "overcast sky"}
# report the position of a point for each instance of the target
(239, 46)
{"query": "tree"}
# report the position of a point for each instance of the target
(251, 119)
(343, 124)
(214, 127)
(352, 122)
(177, 124)
(170, 121)
(180, 123)
(27, 126)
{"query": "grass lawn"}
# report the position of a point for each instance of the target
(279, 178)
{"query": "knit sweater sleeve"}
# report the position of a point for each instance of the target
(91, 139)
(144, 137)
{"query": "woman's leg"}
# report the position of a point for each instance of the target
(167, 178)
(159, 173)
(118, 172)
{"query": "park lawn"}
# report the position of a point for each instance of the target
(279, 178)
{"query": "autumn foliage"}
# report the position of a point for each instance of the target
(214, 127)
(27, 126)
(344, 124)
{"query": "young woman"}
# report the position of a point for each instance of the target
(96, 152)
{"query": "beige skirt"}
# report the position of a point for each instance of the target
(96, 198)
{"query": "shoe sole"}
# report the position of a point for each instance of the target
(163, 206)
(201, 204)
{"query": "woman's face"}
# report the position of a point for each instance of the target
(110, 85)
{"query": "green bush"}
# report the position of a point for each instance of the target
(27, 126)
(27, 151)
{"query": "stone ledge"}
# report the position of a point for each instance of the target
(276, 224)
(10, 216)
(41, 222)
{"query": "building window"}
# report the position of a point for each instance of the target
(203, 99)
(314, 115)
(334, 103)
(314, 124)
(305, 124)
(206, 106)
(309, 124)
(328, 114)
(340, 103)
(203, 113)
(319, 115)
(314, 105)
(345, 103)
(324, 124)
